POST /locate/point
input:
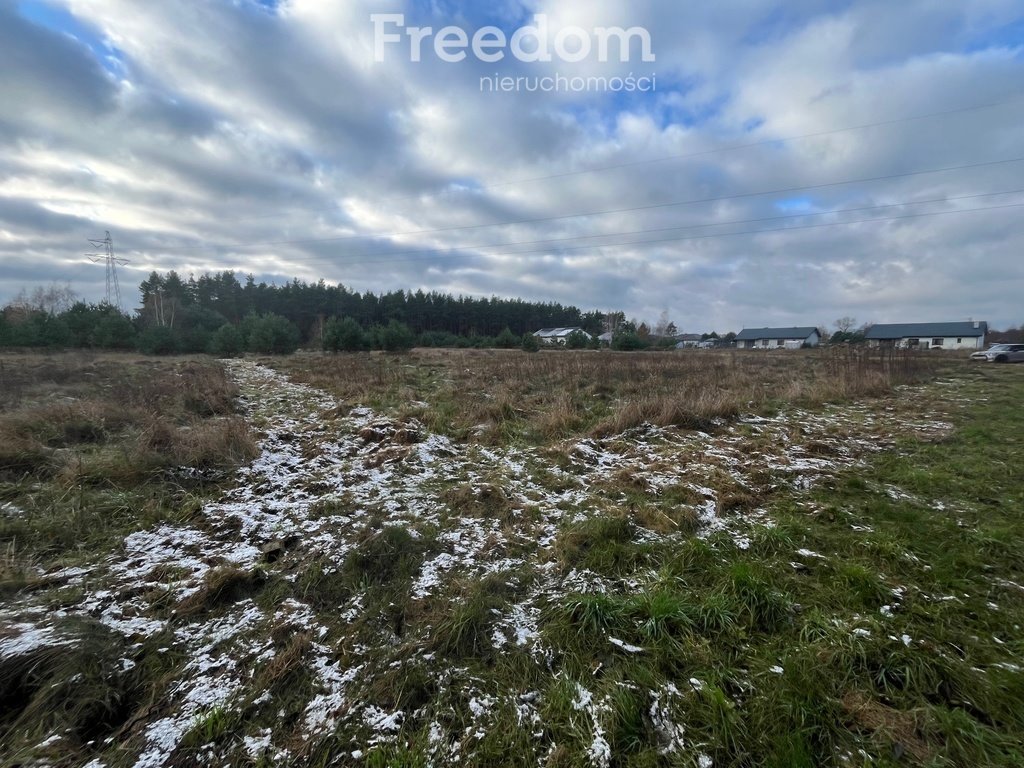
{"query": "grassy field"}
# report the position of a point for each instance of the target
(505, 559)
(501, 396)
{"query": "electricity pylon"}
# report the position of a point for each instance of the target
(111, 262)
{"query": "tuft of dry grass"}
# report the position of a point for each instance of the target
(222, 586)
(903, 730)
(285, 665)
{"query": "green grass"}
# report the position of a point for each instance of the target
(920, 682)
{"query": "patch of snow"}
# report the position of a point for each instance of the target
(625, 646)
(809, 553)
(29, 638)
(379, 720)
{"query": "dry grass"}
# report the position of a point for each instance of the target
(95, 446)
(285, 665)
(222, 586)
(901, 729)
(108, 419)
(496, 396)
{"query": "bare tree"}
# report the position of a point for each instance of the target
(612, 321)
(52, 299)
(661, 328)
(845, 324)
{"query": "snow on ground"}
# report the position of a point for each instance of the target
(325, 479)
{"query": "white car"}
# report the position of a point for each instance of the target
(1001, 353)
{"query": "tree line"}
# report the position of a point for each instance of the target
(220, 314)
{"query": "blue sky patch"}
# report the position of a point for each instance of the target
(60, 20)
(796, 205)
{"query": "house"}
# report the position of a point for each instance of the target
(688, 340)
(965, 335)
(778, 338)
(558, 335)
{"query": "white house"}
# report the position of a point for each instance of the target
(558, 335)
(778, 338)
(966, 335)
(688, 340)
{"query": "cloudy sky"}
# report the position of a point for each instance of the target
(795, 162)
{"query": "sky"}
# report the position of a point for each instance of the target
(789, 163)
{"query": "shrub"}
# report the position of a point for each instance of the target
(344, 335)
(627, 342)
(115, 331)
(158, 340)
(531, 343)
(227, 341)
(506, 339)
(577, 340)
(439, 339)
(395, 337)
(271, 335)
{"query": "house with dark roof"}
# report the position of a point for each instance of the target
(778, 338)
(965, 335)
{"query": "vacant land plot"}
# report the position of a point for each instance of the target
(505, 559)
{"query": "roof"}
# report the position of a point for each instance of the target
(753, 334)
(555, 333)
(935, 330)
(689, 337)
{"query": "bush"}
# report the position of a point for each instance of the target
(270, 335)
(227, 341)
(345, 335)
(627, 342)
(395, 337)
(158, 340)
(38, 330)
(115, 331)
(506, 339)
(194, 340)
(440, 339)
(577, 340)
(531, 343)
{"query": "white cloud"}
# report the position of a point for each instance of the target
(224, 125)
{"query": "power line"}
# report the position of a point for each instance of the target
(705, 153)
(427, 252)
(712, 236)
(749, 145)
(634, 209)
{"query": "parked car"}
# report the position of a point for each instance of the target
(1001, 353)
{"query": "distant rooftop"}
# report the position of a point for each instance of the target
(753, 334)
(968, 329)
(556, 333)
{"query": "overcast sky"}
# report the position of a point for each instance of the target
(265, 137)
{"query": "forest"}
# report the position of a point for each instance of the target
(220, 314)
